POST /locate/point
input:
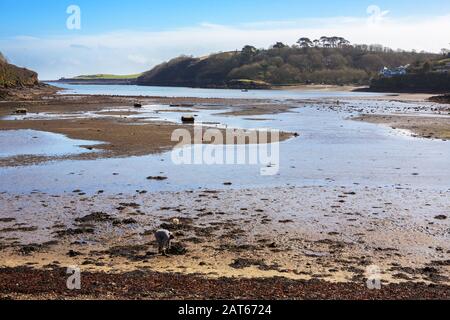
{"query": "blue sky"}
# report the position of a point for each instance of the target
(47, 17)
(134, 35)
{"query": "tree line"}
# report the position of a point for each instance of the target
(327, 60)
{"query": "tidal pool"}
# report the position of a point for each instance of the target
(38, 143)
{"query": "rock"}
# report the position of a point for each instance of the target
(125, 221)
(272, 245)
(138, 105)
(29, 249)
(72, 253)
(157, 178)
(95, 217)
(177, 249)
(75, 232)
(441, 217)
(187, 119)
(21, 111)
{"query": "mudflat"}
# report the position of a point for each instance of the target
(121, 134)
(322, 236)
(425, 126)
(288, 242)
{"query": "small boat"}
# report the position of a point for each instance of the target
(244, 90)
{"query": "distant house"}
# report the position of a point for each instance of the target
(392, 72)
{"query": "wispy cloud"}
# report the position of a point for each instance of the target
(131, 52)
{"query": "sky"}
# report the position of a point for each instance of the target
(127, 37)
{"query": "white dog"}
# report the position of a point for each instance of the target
(163, 238)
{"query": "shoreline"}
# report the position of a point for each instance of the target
(424, 126)
(50, 285)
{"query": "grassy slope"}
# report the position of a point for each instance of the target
(108, 77)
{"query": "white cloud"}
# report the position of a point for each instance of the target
(138, 59)
(125, 52)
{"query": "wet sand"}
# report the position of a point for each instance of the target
(309, 234)
(425, 126)
(122, 135)
(402, 97)
(78, 103)
(122, 138)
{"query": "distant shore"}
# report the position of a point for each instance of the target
(296, 87)
(94, 81)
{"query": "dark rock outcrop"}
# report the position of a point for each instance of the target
(12, 76)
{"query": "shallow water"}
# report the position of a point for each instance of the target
(331, 150)
(125, 90)
(37, 143)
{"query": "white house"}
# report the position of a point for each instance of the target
(399, 71)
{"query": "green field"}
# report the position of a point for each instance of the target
(108, 77)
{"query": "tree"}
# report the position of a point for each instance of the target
(362, 47)
(334, 41)
(316, 58)
(300, 61)
(376, 48)
(252, 71)
(247, 54)
(279, 45)
(250, 50)
(342, 43)
(331, 60)
(335, 61)
(371, 62)
(325, 42)
(305, 43)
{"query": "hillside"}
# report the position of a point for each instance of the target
(18, 84)
(13, 77)
(330, 60)
(102, 79)
(108, 77)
